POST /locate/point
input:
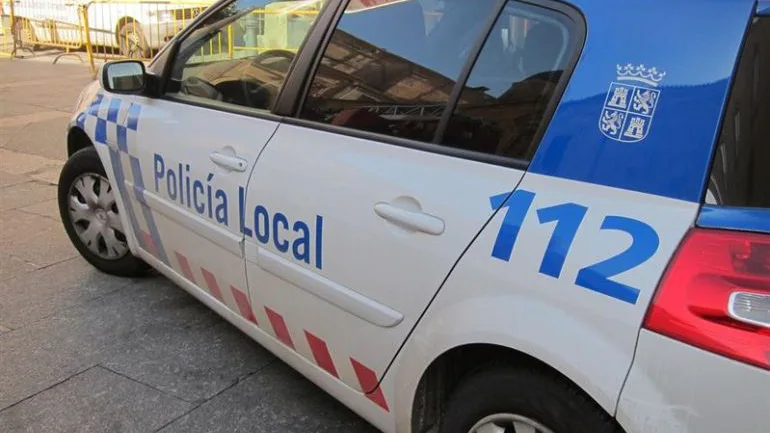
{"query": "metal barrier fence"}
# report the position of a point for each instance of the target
(7, 45)
(137, 29)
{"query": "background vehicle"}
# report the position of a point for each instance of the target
(133, 29)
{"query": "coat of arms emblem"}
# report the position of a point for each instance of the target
(631, 102)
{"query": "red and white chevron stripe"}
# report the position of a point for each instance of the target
(322, 356)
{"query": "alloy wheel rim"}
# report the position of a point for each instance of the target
(508, 423)
(133, 44)
(94, 215)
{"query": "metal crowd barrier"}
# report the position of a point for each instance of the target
(7, 44)
(37, 24)
(137, 29)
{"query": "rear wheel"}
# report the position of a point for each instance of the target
(511, 400)
(131, 40)
(89, 211)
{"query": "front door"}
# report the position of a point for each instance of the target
(360, 209)
(197, 145)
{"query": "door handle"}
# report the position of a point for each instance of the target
(412, 220)
(228, 161)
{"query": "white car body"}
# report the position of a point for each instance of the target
(295, 245)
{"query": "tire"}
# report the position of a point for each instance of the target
(131, 41)
(529, 398)
(92, 221)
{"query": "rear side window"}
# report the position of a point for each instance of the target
(512, 83)
(740, 174)
(391, 69)
(394, 70)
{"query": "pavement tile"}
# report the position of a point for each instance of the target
(22, 163)
(38, 240)
(48, 208)
(62, 98)
(25, 73)
(94, 401)
(11, 267)
(25, 194)
(35, 295)
(15, 109)
(6, 134)
(193, 363)
(31, 118)
(277, 399)
(8, 179)
(45, 137)
(48, 175)
(48, 351)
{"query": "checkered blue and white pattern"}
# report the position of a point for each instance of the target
(114, 122)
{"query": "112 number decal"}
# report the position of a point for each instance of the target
(568, 217)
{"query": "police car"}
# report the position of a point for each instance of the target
(459, 216)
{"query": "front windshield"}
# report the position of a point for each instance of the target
(247, 28)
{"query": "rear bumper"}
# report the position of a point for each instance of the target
(677, 388)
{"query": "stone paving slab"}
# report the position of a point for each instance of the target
(47, 352)
(278, 399)
(94, 401)
(8, 179)
(6, 134)
(35, 239)
(48, 208)
(13, 162)
(34, 296)
(58, 98)
(47, 175)
(192, 361)
(35, 116)
(44, 138)
(11, 267)
(34, 74)
(26, 194)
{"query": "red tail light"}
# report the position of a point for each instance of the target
(715, 295)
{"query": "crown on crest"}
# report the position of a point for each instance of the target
(630, 72)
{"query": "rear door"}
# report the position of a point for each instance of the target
(575, 255)
(360, 208)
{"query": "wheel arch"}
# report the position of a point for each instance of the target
(450, 368)
(77, 139)
(510, 326)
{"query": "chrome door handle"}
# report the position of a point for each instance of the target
(411, 220)
(228, 161)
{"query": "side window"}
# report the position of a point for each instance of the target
(512, 82)
(240, 55)
(739, 175)
(391, 68)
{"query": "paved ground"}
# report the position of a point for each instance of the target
(84, 352)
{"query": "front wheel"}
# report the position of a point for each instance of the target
(89, 211)
(510, 400)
